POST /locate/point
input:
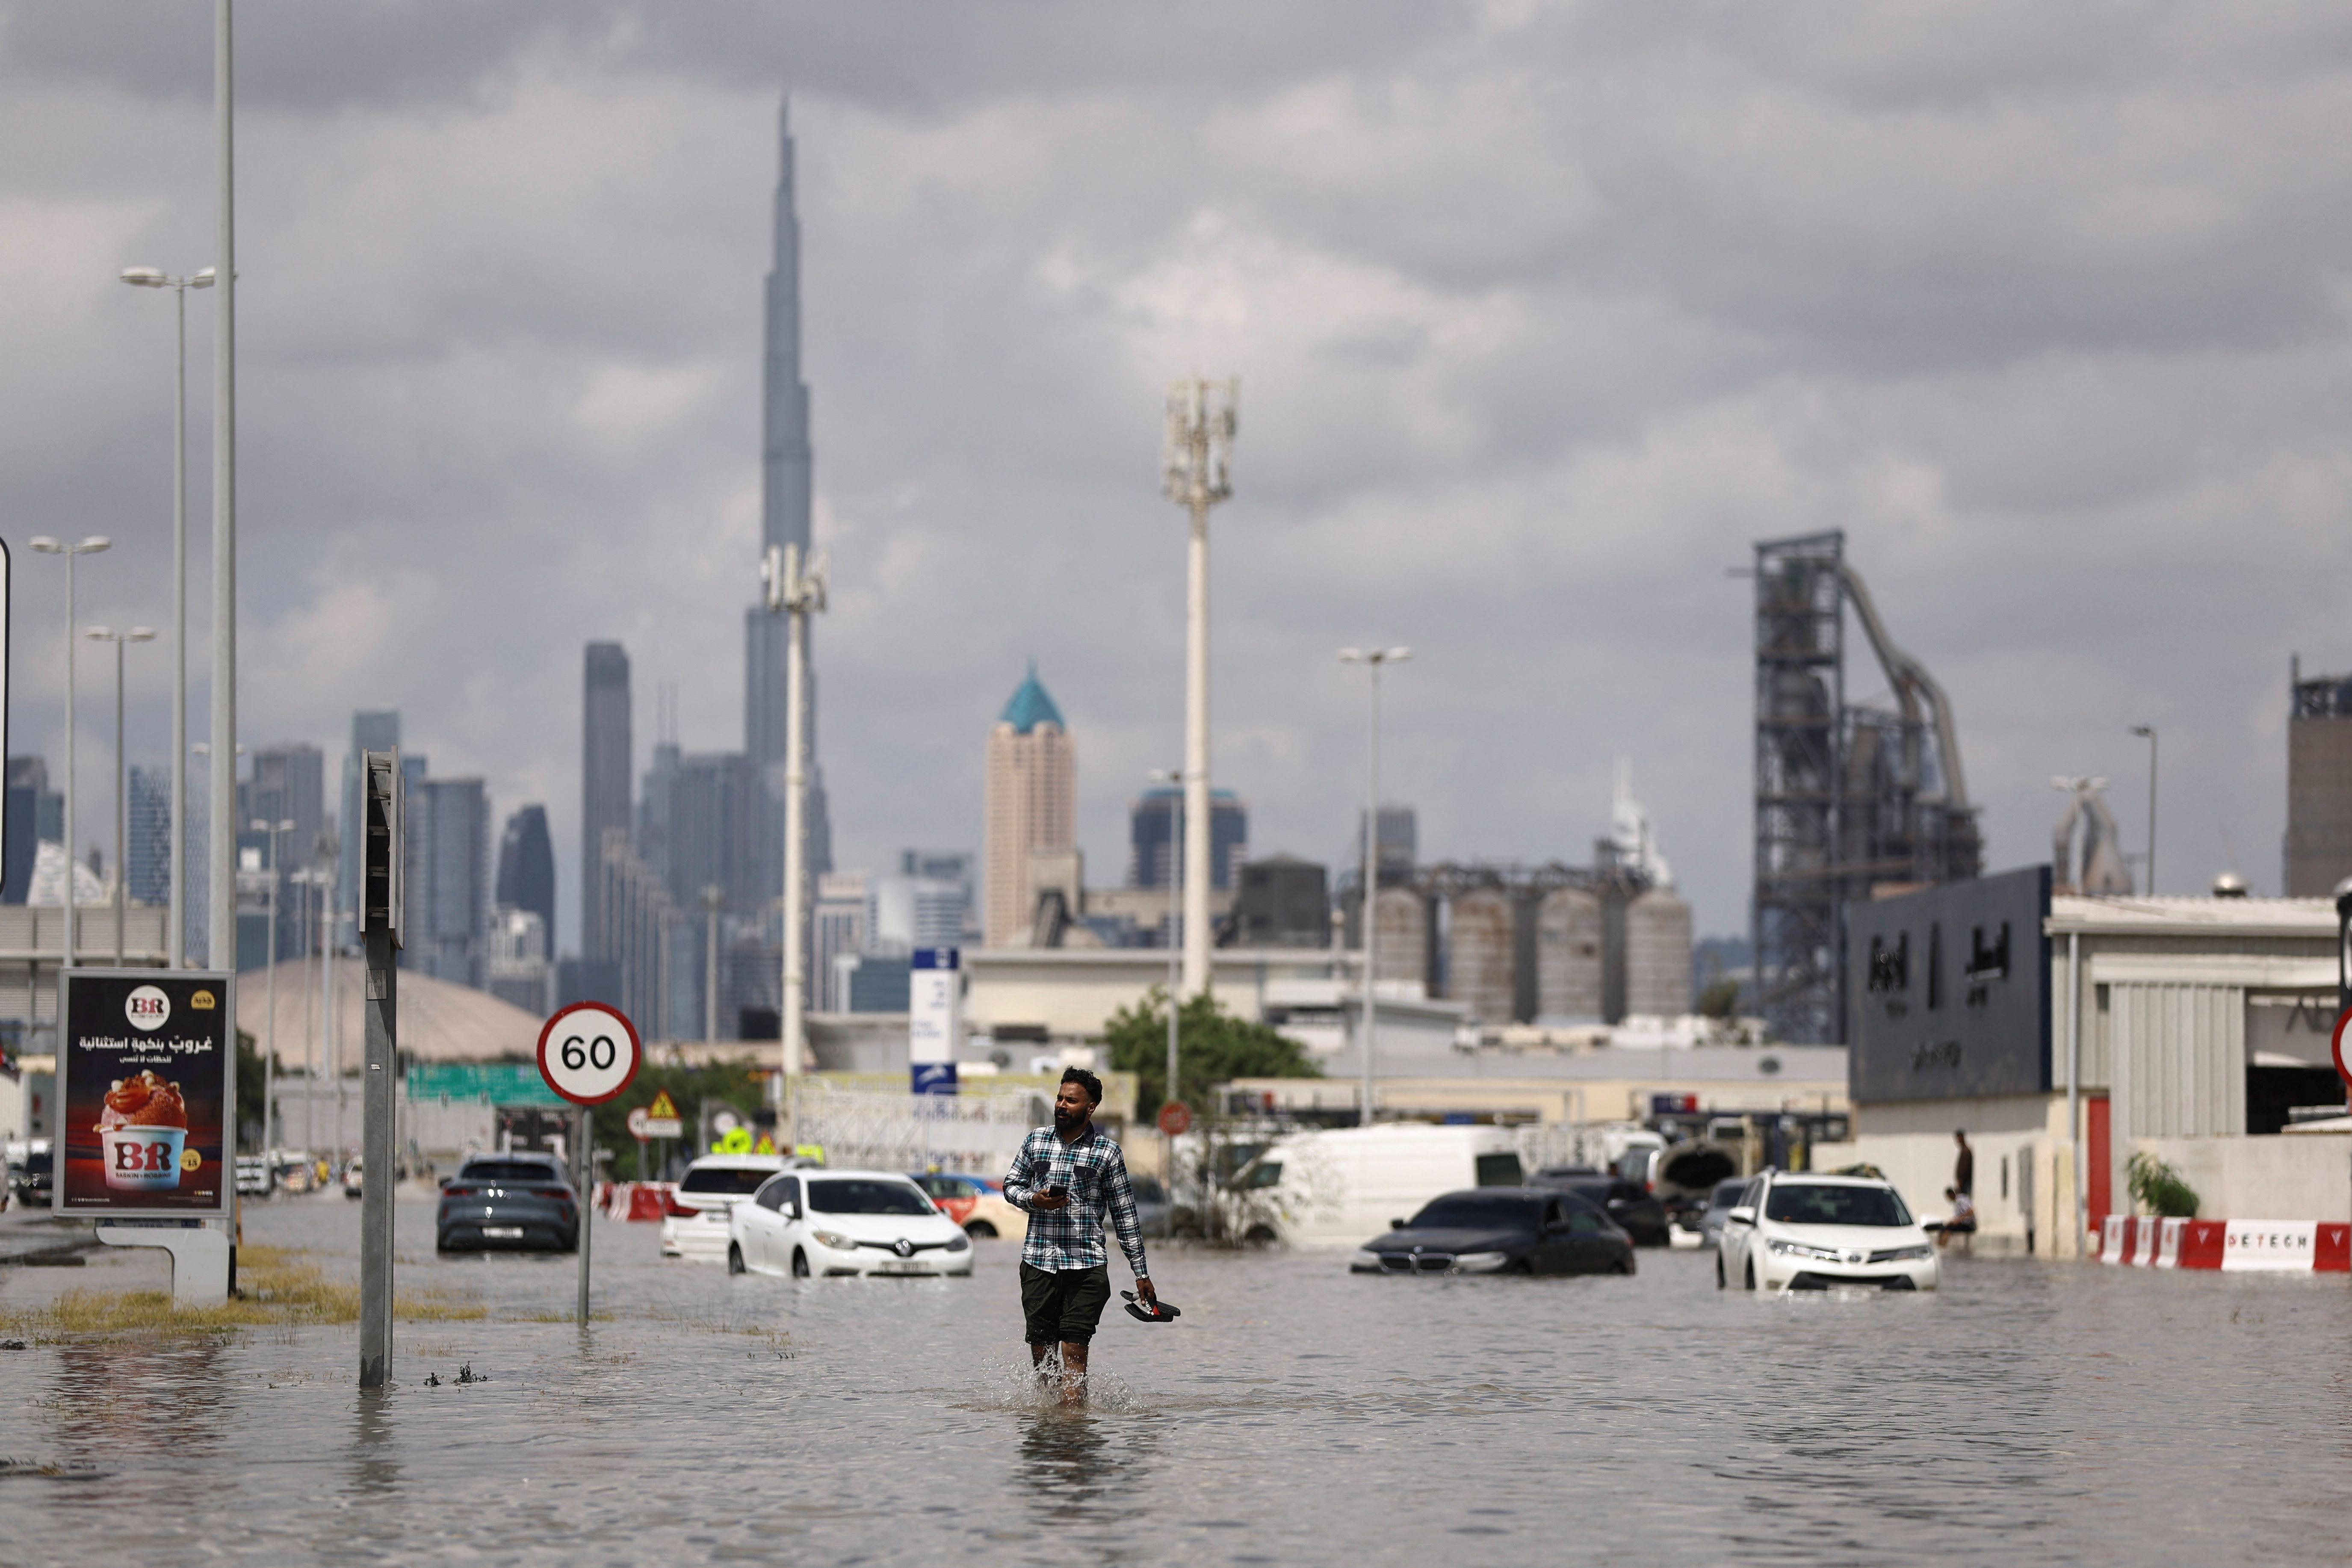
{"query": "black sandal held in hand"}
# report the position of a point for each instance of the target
(1158, 1313)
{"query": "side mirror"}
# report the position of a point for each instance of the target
(447, 1180)
(792, 1210)
(1743, 1213)
(1396, 1224)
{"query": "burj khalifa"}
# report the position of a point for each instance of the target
(785, 478)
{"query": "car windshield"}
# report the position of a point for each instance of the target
(38, 1163)
(722, 1181)
(1473, 1211)
(509, 1170)
(1817, 1203)
(851, 1197)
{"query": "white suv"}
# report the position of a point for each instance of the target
(1791, 1230)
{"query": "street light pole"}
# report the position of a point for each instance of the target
(274, 830)
(1175, 780)
(796, 590)
(221, 926)
(1196, 457)
(89, 546)
(1372, 660)
(121, 781)
(2147, 733)
(176, 937)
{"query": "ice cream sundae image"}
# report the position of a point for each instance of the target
(143, 1130)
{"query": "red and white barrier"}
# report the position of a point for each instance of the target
(635, 1200)
(2273, 1245)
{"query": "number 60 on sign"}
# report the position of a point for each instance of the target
(588, 1053)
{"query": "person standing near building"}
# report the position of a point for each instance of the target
(1071, 1179)
(1964, 1169)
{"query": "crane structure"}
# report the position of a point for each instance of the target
(1850, 797)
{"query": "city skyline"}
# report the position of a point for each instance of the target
(1608, 397)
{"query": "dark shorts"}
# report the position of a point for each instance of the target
(1064, 1307)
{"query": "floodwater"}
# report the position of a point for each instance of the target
(2027, 1413)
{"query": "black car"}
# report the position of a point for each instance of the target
(1638, 1213)
(518, 1200)
(1500, 1230)
(32, 1179)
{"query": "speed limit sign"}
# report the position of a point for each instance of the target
(588, 1053)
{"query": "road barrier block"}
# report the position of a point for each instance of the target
(2237, 1246)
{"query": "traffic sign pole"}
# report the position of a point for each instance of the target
(588, 1053)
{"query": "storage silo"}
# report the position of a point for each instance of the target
(1658, 954)
(1478, 955)
(1568, 954)
(1401, 915)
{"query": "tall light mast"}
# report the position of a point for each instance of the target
(793, 589)
(1196, 457)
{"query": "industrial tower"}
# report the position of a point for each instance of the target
(1848, 798)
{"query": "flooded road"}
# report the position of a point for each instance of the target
(1296, 1415)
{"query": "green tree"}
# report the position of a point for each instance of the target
(252, 1116)
(1719, 999)
(733, 1085)
(1212, 1046)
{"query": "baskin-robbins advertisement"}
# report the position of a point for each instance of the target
(144, 1082)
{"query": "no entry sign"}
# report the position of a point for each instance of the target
(588, 1053)
(2337, 1046)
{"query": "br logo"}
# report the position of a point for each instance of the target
(148, 1007)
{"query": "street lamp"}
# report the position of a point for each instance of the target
(2147, 733)
(269, 1042)
(795, 588)
(93, 545)
(121, 779)
(1372, 660)
(1174, 779)
(155, 278)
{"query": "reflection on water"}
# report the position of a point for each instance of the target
(2026, 1413)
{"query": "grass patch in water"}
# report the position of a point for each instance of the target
(279, 1291)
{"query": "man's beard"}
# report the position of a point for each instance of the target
(1066, 1119)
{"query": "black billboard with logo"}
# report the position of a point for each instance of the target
(1949, 990)
(143, 1080)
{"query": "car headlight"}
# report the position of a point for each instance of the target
(960, 1243)
(1905, 1255)
(833, 1240)
(1364, 1261)
(1799, 1249)
(1480, 1262)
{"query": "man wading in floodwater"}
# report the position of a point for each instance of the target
(1070, 1178)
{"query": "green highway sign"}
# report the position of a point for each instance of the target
(494, 1083)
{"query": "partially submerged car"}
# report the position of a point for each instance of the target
(1500, 1230)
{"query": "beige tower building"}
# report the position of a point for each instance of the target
(1032, 804)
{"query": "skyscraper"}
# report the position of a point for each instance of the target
(147, 858)
(286, 784)
(2318, 783)
(1032, 803)
(1150, 825)
(527, 871)
(604, 753)
(785, 477)
(35, 813)
(448, 874)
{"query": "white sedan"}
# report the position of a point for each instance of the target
(1795, 1231)
(695, 1228)
(806, 1223)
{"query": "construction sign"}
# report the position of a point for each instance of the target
(661, 1118)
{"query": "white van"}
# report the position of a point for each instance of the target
(1340, 1187)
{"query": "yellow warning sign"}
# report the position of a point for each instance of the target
(661, 1109)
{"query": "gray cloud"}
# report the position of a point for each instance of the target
(1543, 313)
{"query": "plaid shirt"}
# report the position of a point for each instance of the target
(1095, 1171)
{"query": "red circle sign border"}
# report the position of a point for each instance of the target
(1175, 1111)
(2335, 1046)
(636, 1050)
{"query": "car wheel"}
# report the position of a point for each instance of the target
(1751, 1274)
(1259, 1235)
(734, 1258)
(799, 1264)
(980, 1230)
(1625, 1266)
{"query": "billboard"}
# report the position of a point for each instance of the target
(144, 1083)
(934, 1018)
(1949, 990)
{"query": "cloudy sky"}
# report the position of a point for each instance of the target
(1543, 313)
